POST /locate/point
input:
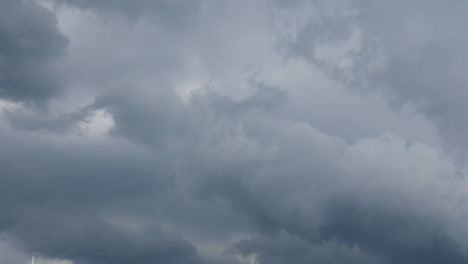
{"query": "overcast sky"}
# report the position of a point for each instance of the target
(233, 132)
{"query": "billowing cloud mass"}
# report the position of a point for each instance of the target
(31, 45)
(233, 132)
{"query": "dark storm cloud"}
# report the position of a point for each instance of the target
(292, 176)
(395, 235)
(208, 159)
(66, 191)
(292, 181)
(94, 242)
(31, 45)
(58, 179)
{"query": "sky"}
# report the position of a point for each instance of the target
(233, 132)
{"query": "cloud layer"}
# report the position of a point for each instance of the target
(233, 132)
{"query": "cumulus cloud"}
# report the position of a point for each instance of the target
(233, 132)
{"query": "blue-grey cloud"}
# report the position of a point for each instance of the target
(30, 52)
(233, 132)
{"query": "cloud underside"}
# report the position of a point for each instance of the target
(233, 132)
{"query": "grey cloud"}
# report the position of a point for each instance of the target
(38, 118)
(69, 190)
(92, 242)
(10, 254)
(63, 197)
(177, 14)
(58, 179)
(395, 235)
(284, 248)
(263, 98)
(166, 117)
(30, 52)
(414, 56)
(285, 176)
(294, 182)
(211, 159)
